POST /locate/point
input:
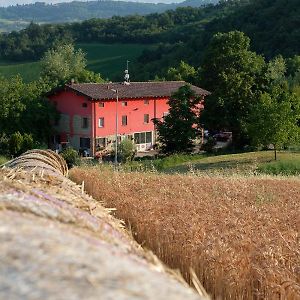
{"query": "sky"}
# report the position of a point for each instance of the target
(14, 2)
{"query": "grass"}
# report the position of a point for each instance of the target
(288, 166)
(240, 234)
(107, 59)
(242, 163)
(29, 71)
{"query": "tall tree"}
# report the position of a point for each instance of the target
(274, 119)
(177, 130)
(65, 63)
(233, 74)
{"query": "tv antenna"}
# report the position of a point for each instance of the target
(127, 77)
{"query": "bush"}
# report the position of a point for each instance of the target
(71, 157)
(209, 145)
(281, 167)
(18, 143)
(126, 150)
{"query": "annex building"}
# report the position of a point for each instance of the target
(92, 113)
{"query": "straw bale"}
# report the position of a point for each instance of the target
(59, 243)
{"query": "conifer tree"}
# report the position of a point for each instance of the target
(177, 130)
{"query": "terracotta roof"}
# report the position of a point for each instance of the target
(103, 91)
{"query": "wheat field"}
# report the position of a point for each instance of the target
(240, 234)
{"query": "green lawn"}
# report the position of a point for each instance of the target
(107, 59)
(262, 162)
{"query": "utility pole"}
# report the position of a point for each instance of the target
(117, 127)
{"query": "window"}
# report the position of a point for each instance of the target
(101, 104)
(148, 137)
(143, 137)
(101, 122)
(146, 118)
(85, 123)
(124, 103)
(146, 102)
(124, 120)
(101, 142)
(85, 143)
(84, 104)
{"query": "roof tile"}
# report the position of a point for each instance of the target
(103, 91)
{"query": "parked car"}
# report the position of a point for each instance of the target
(223, 136)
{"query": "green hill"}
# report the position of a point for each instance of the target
(19, 16)
(107, 59)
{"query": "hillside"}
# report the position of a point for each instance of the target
(181, 34)
(17, 17)
(273, 27)
(107, 59)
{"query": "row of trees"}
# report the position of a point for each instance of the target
(25, 113)
(256, 100)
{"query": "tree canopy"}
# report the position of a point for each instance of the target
(177, 130)
(64, 64)
(274, 119)
(233, 73)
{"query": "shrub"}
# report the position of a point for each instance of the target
(209, 145)
(126, 150)
(18, 143)
(71, 156)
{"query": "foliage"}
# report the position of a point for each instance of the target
(233, 74)
(65, 63)
(274, 119)
(182, 34)
(23, 109)
(184, 72)
(271, 25)
(126, 150)
(285, 167)
(16, 17)
(209, 145)
(18, 143)
(33, 41)
(177, 131)
(71, 156)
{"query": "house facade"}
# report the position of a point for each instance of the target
(91, 114)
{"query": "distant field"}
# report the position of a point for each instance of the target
(28, 70)
(107, 59)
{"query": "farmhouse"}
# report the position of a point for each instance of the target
(91, 113)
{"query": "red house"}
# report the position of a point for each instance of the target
(88, 112)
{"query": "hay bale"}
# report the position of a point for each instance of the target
(59, 243)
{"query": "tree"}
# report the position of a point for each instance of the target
(126, 150)
(183, 72)
(177, 130)
(274, 119)
(233, 74)
(64, 63)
